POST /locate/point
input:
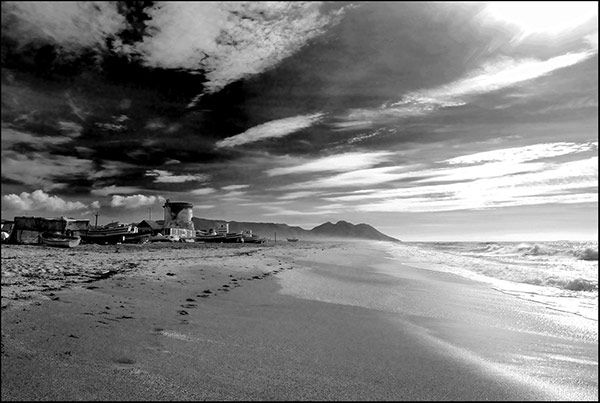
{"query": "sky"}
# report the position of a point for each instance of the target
(430, 121)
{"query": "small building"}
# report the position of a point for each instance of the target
(222, 228)
(150, 227)
(28, 229)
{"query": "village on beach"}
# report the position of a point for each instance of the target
(177, 226)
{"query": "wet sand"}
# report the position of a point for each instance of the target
(250, 323)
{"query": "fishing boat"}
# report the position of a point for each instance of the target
(292, 239)
(111, 234)
(136, 238)
(59, 240)
(230, 237)
(249, 237)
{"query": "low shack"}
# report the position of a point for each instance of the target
(28, 229)
(150, 227)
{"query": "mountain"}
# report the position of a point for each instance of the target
(341, 229)
(344, 229)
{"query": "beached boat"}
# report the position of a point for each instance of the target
(292, 239)
(136, 238)
(110, 234)
(231, 237)
(59, 240)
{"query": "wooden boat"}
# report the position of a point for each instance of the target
(220, 238)
(292, 239)
(59, 240)
(110, 235)
(136, 238)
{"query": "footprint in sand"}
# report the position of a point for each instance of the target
(189, 305)
(190, 299)
(182, 312)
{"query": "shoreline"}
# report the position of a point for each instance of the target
(252, 342)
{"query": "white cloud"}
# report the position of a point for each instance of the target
(42, 169)
(113, 189)
(168, 177)
(134, 201)
(202, 191)
(40, 200)
(526, 153)
(11, 137)
(273, 129)
(110, 169)
(564, 182)
(340, 162)
(235, 187)
(70, 129)
(95, 204)
(230, 40)
(492, 76)
(361, 177)
(298, 195)
(74, 26)
(204, 207)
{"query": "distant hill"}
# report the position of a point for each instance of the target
(341, 229)
(344, 229)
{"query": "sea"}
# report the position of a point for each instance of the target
(563, 275)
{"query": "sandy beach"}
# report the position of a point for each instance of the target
(323, 321)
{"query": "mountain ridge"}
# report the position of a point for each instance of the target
(341, 229)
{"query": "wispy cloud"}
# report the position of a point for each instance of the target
(11, 136)
(492, 76)
(229, 41)
(74, 26)
(235, 187)
(40, 200)
(340, 162)
(202, 191)
(167, 177)
(113, 189)
(298, 195)
(526, 153)
(361, 177)
(273, 129)
(42, 169)
(135, 201)
(498, 178)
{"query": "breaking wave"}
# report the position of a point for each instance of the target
(563, 269)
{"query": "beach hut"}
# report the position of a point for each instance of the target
(27, 230)
(150, 227)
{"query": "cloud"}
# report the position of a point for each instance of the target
(492, 76)
(228, 41)
(40, 200)
(167, 177)
(526, 153)
(134, 201)
(235, 187)
(11, 136)
(111, 169)
(113, 189)
(298, 195)
(74, 26)
(43, 169)
(95, 204)
(361, 177)
(496, 179)
(202, 191)
(273, 129)
(203, 207)
(340, 162)
(70, 129)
